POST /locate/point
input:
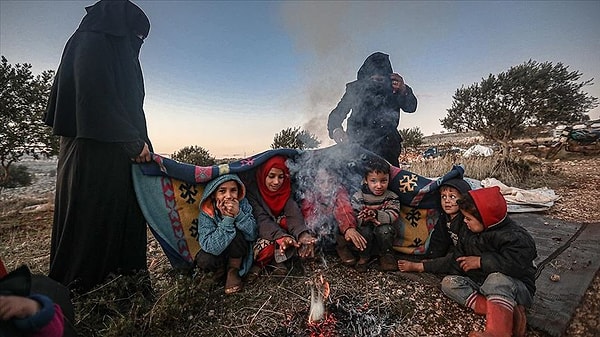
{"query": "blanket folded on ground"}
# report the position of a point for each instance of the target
(169, 193)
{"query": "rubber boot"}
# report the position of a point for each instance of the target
(478, 303)
(498, 321)
(519, 321)
(233, 283)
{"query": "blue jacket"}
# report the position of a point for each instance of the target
(215, 232)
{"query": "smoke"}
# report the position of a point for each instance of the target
(319, 175)
(326, 34)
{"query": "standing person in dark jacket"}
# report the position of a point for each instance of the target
(449, 229)
(375, 99)
(494, 273)
(96, 107)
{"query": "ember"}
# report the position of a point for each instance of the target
(325, 328)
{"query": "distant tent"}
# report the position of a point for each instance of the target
(478, 150)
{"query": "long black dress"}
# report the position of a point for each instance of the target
(96, 106)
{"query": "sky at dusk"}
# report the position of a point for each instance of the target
(229, 75)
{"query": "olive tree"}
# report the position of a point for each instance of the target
(295, 138)
(501, 107)
(23, 99)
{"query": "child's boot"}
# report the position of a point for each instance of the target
(233, 283)
(478, 303)
(519, 321)
(498, 321)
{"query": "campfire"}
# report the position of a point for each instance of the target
(320, 322)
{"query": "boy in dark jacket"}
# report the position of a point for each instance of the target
(494, 273)
(449, 229)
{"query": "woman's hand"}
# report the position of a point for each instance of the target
(352, 235)
(287, 242)
(144, 156)
(398, 85)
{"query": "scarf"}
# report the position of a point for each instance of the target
(274, 200)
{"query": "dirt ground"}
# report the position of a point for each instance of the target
(25, 238)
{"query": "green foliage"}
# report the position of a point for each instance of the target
(502, 106)
(19, 176)
(294, 138)
(23, 99)
(195, 155)
(412, 137)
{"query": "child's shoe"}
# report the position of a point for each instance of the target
(362, 265)
(387, 262)
(345, 255)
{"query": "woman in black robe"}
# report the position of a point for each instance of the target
(375, 99)
(96, 107)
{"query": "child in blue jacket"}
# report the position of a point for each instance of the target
(226, 230)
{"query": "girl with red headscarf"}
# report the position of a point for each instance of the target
(281, 228)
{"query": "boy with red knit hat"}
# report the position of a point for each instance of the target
(494, 268)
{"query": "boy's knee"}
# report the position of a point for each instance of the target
(450, 282)
(384, 231)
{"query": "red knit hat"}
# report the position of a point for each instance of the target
(491, 205)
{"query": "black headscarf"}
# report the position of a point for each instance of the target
(118, 18)
(98, 91)
(377, 63)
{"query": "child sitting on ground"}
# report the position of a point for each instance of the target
(493, 272)
(448, 230)
(226, 230)
(376, 208)
(327, 211)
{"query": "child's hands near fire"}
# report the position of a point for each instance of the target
(469, 262)
(368, 215)
(229, 207)
(307, 245)
(352, 235)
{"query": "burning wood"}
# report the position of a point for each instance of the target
(319, 292)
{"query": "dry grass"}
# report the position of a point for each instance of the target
(370, 304)
(513, 171)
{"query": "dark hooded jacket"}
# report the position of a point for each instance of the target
(98, 91)
(446, 233)
(375, 108)
(504, 246)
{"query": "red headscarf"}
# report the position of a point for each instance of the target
(275, 200)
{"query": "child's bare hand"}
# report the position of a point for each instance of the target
(229, 207)
(307, 245)
(409, 266)
(354, 236)
(287, 242)
(369, 215)
(17, 307)
(469, 262)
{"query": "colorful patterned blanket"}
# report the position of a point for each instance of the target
(169, 193)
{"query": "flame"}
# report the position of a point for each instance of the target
(319, 292)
